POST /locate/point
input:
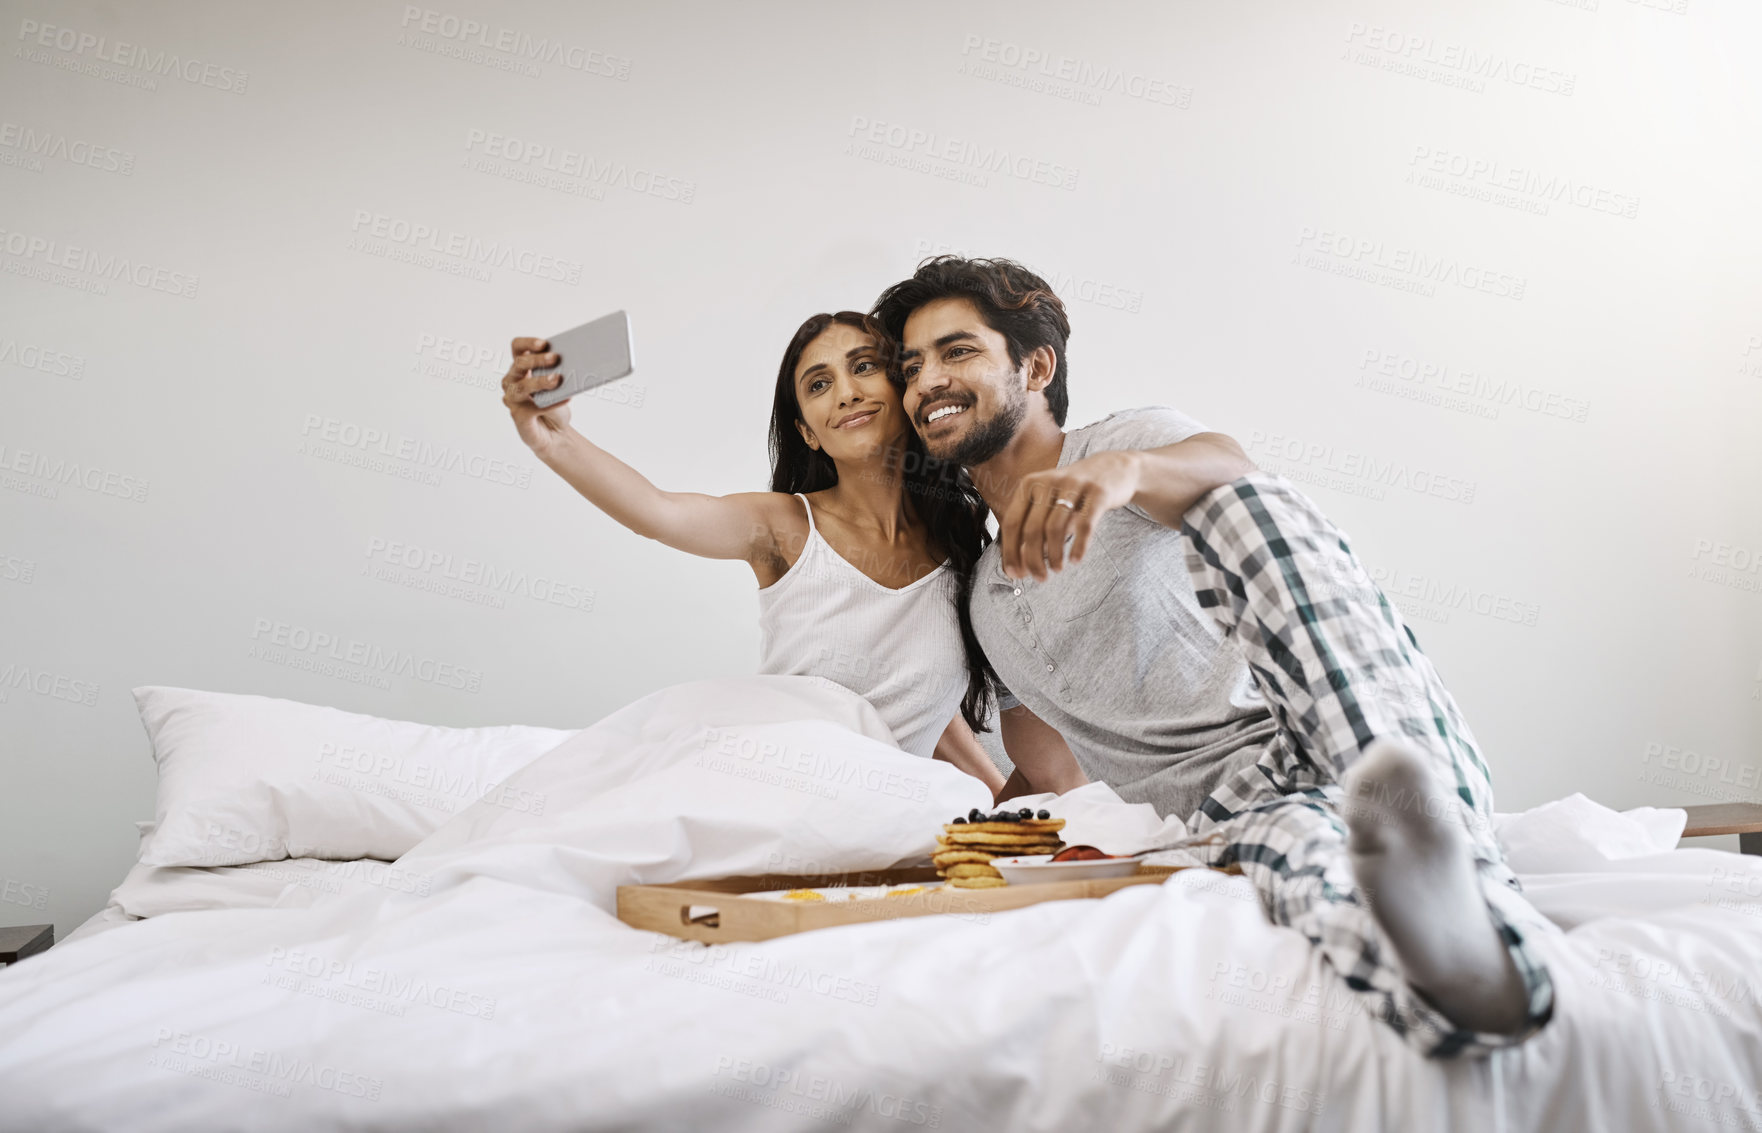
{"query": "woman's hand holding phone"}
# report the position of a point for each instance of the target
(539, 428)
(738, 526)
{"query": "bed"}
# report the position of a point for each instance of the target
(479, 980)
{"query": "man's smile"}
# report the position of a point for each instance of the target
(942, 411)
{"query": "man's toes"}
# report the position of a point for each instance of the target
(1391, 792)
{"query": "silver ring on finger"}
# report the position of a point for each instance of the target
(1062, 502)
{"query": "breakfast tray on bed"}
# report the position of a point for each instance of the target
(719, 911)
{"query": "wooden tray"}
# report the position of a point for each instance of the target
(717, 911)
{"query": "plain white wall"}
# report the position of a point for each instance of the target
(1486, 275)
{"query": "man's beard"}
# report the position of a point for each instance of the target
(988, 438)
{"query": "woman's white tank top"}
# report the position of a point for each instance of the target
(898, 649)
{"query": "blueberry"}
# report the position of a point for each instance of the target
(1044, 814)
(1025, 813)
(959, 821)
(974, 815)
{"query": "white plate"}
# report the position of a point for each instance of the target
(1036, 868)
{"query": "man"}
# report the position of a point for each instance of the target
(1206, 642)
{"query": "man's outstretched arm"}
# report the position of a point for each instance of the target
(1171, 479)
(1164, 481)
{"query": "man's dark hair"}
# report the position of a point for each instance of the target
(1012, 300)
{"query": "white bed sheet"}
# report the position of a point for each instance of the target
(108, 917)
(507, 996)
(153, 891)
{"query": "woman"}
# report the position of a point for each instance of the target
(863, 549)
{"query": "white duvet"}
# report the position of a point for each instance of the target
(483, 982)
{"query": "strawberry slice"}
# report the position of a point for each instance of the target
(1081, 854)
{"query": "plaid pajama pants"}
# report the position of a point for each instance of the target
(1338, 669)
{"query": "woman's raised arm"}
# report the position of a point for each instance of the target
(737, 526)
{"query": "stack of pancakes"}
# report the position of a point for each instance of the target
(965, 849)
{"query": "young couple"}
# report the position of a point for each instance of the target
(1155, 612)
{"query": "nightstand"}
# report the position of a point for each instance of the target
(1742, 819)
(21, 941)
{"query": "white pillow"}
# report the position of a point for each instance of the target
(255, 778)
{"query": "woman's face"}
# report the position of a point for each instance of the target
(846, 406)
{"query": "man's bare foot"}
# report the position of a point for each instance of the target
(1417, 874)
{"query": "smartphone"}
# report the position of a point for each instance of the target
(590, 355)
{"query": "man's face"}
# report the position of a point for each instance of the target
(961, 393)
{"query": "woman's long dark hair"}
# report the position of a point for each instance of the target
(940, 494)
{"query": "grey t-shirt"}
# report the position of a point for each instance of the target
(1116, 653)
